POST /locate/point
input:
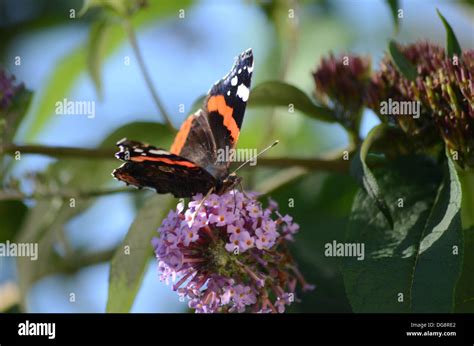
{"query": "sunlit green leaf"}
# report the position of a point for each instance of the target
(95, 52)
(440, 250)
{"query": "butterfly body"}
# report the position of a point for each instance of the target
(191, 166)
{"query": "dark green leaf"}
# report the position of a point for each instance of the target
(129, 263)
(452, 44)
(440, 250)
(403, 65)
(12, 214)
(363, 174)
(393, 4)
(276, 93)
(320, 204)
(402, 266)
(382, 281)
(465, 285)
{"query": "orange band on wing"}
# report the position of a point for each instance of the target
(164, 160)
(217, 103)
(180, 138)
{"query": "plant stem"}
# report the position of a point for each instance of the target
(336, 164)
(58, 152)
(17, 195)
(146, 75)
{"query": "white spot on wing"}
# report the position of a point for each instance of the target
(139, 150)
(228, 93)
(158, 152)
(240, 70)
(234, 81)
(243, 92)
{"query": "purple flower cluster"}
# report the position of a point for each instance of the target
(340, 82)
(444, 89)
(228, 254)
(7, 90)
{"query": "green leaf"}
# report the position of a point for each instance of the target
(401, 266)
(381, 282)
(47, 218)
(436, 251)
(363, 174)
(322, 204)
(466, 176)
(452, 43)
(394, 7)
(129, 262)
(12, 214)
(281, 94)
(465, 285)
(36, 223)
(70, 67)
(403, 65)
(95, 52)
(276, 93)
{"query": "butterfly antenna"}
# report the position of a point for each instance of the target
(254, 157)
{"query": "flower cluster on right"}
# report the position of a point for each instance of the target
(443, 87)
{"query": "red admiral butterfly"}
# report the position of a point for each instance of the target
(191, 165)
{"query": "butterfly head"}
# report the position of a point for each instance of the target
(230, 182)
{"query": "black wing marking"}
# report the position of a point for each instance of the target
(151, 167)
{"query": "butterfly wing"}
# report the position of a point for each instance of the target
(191, 166)
(148, 166)
(217, 126)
